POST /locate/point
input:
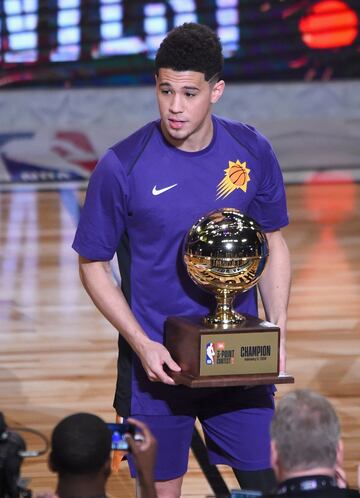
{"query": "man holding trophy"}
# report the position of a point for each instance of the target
(143, 197)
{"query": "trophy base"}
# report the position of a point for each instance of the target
(209, 355)
(229, 380)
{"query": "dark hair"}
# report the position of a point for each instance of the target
(80, 444)
(191, 47)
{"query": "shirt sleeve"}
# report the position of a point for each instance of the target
(269, 206)
(103, 216)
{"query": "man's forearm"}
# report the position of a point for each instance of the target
(275, 282)
(147, 487)
(109, 299)
(275, 287)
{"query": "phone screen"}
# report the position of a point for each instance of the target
(118, 431)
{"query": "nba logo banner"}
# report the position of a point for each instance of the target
(46, 159)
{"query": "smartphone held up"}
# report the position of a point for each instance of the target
(118, 432)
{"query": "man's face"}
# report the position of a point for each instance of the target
(185, 99)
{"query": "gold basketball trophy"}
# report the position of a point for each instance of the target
(225, 253)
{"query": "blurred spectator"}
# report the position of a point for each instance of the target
(80, 455)
(306, 449)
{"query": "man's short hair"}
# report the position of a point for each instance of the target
(306, 430)
(80, 444)
(191, 47)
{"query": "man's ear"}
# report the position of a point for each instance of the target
(217, 91)
(340, 453)
(51, 464)
(274, 459)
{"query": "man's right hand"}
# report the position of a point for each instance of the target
(153, 357)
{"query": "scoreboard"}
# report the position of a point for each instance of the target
(113, 27)
(96, 42)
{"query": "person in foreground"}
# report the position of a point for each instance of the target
(306, 449)
(80, 455)
(144, 195)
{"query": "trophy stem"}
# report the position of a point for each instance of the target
(224, 313)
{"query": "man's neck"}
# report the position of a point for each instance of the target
(80, 487)
(317, 471)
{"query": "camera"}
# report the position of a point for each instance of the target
(118, 431)
(12, 453)
(12, 446)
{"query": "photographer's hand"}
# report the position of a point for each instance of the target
(144, 454)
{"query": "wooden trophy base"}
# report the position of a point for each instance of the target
(226, 355)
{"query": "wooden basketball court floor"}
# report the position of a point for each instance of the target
(58, 355)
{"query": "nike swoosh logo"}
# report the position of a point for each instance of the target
(156, 191)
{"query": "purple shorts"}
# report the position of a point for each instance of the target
(235, 422)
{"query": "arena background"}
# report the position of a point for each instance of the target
(291, 68)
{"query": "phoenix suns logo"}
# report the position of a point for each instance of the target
(236, 177)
